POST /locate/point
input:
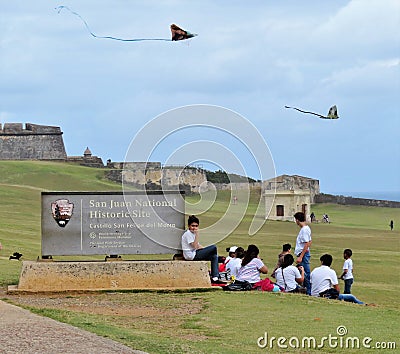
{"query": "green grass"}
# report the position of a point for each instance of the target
(233, 322)
(21, 184)
(356, 216)
(221, 322)
(54, 176)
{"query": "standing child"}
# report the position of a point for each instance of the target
(302, 250)
(347, 274)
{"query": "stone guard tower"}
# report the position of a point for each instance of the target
(35, 142)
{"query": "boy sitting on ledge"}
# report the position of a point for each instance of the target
(194, 251)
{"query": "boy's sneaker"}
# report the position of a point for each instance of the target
(217, 282)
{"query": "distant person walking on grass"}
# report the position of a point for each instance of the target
(325, 218)
(193, 251)
(347, 274)
(302, 250)
(391, 225)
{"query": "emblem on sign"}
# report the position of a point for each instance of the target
(62, 211)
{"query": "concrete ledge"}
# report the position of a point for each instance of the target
(122, 275)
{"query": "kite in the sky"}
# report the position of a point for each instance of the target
(177, 33)
(332, 114)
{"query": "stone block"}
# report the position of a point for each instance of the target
(120, 275)
(13, 128)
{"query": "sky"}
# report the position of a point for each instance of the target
(251, 60)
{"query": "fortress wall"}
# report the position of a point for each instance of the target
(340, 199)
(190, 179)
(234, 186)
(187, 176)
(134, 165)
(136, 177)
(155, 177)
(35, 142)
(91, 161)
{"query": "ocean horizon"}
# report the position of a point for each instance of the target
(392, 196)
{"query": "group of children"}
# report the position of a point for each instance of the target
(289, 278)
(246, 267)
(347, 274)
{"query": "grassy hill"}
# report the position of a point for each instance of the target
(21, 183)
(214, 322)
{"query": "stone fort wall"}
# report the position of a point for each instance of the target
(34, 142)
(343, 200)
(155, 177)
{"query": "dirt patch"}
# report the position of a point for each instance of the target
(168, 312)
(117, 304)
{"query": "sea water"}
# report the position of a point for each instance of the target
(392, 196)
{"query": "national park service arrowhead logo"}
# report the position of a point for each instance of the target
(62, 211)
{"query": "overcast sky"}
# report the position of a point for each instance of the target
(250, 57)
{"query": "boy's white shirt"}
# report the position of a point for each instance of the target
(189, 252)
(348, 265)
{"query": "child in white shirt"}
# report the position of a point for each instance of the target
(235, 263)
(347, 274)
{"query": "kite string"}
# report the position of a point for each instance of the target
(60, 8)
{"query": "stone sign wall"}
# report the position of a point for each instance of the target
(112, 223)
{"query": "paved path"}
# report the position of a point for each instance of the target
(22, 332)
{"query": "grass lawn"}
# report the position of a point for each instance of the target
(216, 321)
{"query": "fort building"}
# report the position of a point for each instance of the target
(87, 159)
(32, 142)
(293, 183)
(285, 195)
